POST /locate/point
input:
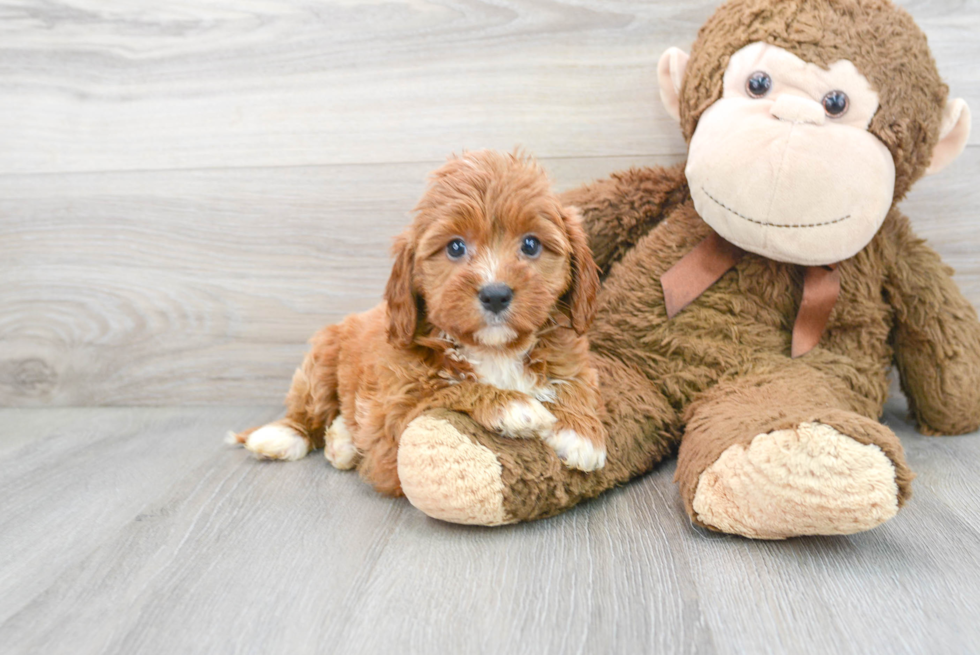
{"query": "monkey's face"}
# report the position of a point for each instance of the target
(783, 165)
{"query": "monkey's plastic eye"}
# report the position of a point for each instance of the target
(758, 84)
(835, 103)
(456, 249)
(531, 246)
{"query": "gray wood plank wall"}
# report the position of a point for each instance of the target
(188, 190)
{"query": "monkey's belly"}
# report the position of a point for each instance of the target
(740, 325)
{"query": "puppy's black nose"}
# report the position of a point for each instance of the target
(496, 297)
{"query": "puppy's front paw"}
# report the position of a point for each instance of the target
(576, 451)
(277, 441)
(524, 418)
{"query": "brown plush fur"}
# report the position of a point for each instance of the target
(720, 372)
(380, 369)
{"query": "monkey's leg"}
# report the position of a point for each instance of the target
(454, 470)
(784, 454)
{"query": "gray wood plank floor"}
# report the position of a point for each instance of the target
(135, 530)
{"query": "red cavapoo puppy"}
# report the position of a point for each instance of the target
(492, 290)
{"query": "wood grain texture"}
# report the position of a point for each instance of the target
(137, 531)
(261, 83)
(122, 86)
(72, 467)
(187, 192)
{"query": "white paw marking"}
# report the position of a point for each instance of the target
(231, 438)
(524, 418)
(339, 445)
(276, 441)
(576, 451)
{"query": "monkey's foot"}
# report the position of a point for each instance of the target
(808, 480)
(449, 476)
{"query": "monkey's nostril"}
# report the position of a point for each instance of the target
(496, 297)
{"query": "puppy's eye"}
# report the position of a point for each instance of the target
(530, 246)
(456, 249)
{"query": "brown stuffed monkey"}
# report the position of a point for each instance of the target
(754, 300)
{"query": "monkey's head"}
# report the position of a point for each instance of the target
(807, 120)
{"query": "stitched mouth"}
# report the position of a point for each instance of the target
(757, 222)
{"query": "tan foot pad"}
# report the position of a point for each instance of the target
(448, 476)
(811, 480)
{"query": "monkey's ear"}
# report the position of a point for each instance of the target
(953, 135)
(400, 294)
(670, 74)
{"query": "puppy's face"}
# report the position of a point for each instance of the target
(492, 251)
(492, 274)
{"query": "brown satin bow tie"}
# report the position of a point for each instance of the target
(713, 257)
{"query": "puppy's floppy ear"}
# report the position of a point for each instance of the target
(581, 294)
(403, 310)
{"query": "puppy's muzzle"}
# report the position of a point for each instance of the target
(496, 297)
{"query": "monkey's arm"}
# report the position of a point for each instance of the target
(936, 337)
(619, 210)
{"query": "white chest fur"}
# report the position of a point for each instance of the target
(506, 371)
